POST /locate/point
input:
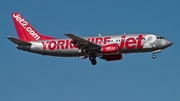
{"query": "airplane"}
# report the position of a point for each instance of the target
(109, 48)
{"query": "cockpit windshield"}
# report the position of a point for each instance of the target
(160, 37)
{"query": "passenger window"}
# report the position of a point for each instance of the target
(140, 39)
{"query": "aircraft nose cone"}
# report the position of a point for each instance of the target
(168, 43)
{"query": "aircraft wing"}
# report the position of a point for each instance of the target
(83, 43)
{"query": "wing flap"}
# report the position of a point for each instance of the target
(17, 41)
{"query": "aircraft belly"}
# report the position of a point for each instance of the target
(60, 52)
(76, 52)
(66, 53)
(137, 50)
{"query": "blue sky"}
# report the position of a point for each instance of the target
(30, 77)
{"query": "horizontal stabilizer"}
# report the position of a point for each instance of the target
(18, 42)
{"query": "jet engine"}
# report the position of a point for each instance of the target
(111, 48)
(112, 57)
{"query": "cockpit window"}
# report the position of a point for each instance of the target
(160, 38)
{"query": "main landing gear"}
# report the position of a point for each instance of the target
(92, 58)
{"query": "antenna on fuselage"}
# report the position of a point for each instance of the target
(124, 33)
(99, 34)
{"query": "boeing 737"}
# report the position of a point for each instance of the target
(108, 48)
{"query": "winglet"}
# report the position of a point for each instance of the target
(17, 41)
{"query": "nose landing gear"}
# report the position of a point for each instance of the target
(154, 53)
(154, 56)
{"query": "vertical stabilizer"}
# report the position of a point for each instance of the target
(25, 31)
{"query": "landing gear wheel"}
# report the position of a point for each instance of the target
(153, 56)
(91, 58)
(94, 62)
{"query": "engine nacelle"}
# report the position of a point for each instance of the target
(111, 48)
(112, 57)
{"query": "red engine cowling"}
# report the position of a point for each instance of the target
(112, 57)
(111, 48)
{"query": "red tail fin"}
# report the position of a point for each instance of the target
(25, 31)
